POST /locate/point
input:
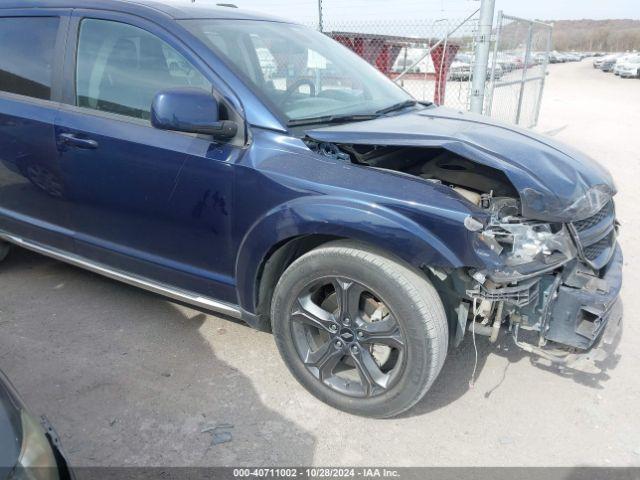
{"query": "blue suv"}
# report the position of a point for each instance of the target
(256, 168)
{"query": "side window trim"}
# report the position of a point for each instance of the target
(60, 50)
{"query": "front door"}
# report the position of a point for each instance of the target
(149, 202)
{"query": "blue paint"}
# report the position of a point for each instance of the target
(202, 215)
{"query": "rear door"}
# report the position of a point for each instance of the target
(149, 202)
(33, 181)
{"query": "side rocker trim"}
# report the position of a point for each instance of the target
(185, 296)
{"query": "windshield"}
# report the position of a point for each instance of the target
(301, 72)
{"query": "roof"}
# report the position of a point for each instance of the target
(176, 9)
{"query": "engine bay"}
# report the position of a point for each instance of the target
(469, 179)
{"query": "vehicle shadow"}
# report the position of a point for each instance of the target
(454, 379)
(159, 348)
(130, 379)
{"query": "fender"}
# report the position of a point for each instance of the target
(340, 217)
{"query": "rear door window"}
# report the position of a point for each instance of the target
(27, 47)
(120, 68)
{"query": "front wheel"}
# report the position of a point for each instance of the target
(359, 329)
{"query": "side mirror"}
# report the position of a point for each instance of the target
(190, 110)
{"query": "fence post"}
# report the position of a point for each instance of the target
(525, 68)
(320, 26)
(492, 81)
(483, 42)
(544, 73)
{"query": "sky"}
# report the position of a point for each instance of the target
(371, 10)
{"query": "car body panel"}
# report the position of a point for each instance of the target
(532, 162)
(313, 195)
(143, 193)
(28, 168)
(26, 207)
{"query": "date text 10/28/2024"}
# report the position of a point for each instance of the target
(318, 472)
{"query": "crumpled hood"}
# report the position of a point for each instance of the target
(549, 176)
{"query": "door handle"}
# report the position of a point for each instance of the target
(71, 139)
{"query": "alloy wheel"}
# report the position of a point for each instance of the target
(347, 337)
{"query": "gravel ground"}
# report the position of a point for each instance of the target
(129, 378)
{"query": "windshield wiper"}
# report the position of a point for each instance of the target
(397, 106)
(331, 119)
(350, 118)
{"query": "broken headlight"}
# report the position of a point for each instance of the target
(521, 243)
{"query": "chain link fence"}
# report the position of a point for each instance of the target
(518, 70)
(434, 59)
(430, 59)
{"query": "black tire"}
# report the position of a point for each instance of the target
(416, 349)
(4, 250)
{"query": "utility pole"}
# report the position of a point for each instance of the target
(320, 26)
(483, 42)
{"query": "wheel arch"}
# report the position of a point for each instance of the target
(293, 229)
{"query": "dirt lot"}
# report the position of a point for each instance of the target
(129, 378)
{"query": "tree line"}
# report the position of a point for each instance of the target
(580, 35)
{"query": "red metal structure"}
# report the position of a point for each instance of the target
(442, 57)
(382, 52)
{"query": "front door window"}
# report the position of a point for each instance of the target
(121, 68)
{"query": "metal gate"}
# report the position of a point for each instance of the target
(518, 70)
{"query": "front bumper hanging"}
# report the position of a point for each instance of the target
(584, 314)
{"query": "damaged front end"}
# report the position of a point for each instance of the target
(557, 289)
(552, 269)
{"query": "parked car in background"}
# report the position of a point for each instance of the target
(366, 230)
(506, 62)
(29, 446)
(414, 61)
(597, 61)
(630, 68)
(572, 57)
(540, 58)
(618, 63)
(609, 62)
(462, 68)
(621, 61)
(519, 59)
